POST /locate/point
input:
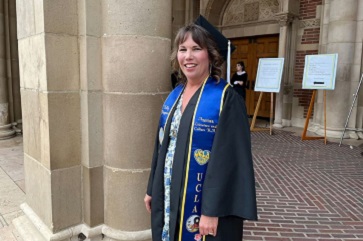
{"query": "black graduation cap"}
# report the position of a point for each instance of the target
(219, 38)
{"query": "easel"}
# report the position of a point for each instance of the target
(252, 128)
(304, 137)
(324, 80)
(350, 112)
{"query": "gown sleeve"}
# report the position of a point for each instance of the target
(153, 165)
(229, 185)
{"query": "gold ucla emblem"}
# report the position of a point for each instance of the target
(201, 156)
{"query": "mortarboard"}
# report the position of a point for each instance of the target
(224, 45)
(218, 37)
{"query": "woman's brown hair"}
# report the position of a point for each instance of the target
(203, 38)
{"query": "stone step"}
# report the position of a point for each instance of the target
(27, 230)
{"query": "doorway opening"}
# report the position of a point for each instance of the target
(250, 50)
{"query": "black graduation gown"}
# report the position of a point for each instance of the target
(241, 89)
(229, 186)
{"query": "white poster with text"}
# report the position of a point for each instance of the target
(320, 71)
(269, 74)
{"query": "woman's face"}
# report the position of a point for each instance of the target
(193, 60)
(239, 67)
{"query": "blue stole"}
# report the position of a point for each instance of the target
(203, 128)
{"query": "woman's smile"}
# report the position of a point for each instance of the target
(190, 65)
(193, 60)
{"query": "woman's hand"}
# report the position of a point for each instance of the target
(147, 201)
(208, 225)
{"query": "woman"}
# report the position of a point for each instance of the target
(201, 185)
(239, 79)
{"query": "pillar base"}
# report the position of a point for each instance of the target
(118, 235)
(330, 132)
(32, 228)
(286, 123)
(7, 131)
(277, 125)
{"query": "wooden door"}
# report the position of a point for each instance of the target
(250, 50)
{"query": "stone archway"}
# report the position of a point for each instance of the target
(215, 9)
(246, 11)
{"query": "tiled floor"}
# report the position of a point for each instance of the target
(307, 191)
(12, 190)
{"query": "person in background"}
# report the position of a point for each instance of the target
(201, 184)
(174, 79)
(239, 79)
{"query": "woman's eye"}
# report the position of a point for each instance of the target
(197, 48)
(182, 50)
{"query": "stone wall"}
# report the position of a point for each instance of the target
(94, 75)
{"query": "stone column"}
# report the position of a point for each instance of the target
(136, 80)
(359, 47)
(341, 38)
(94, 75)
(13, 66)
(281, 115)
(356, 70)
(323, 43)
(6, 130)
(50, 83)
(90, 33)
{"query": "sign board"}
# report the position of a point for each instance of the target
(269, 74)
(320, 71)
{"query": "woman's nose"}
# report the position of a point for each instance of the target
(188, 54)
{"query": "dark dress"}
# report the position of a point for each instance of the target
(241, 89)
(174, 79)
(229, 186)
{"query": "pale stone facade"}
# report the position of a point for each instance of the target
(92, 81)
(342, 33)
(93, 76)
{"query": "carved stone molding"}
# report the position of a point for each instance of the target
(268, 8)
(284, 18)
(310, 23)
(244, 11)
(251, 11)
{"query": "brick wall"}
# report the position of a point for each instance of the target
(310, 36)
(303, 95)
(308, 8)
(300, 63)
(304, 99)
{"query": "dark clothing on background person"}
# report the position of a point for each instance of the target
(229, 186)
(174, 79)
(241, 89)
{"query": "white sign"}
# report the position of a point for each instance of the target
(269, 74)
(320, 71)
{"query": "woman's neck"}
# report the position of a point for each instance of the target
(195, 84)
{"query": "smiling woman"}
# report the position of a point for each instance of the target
(193, 61)
(201, 184)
